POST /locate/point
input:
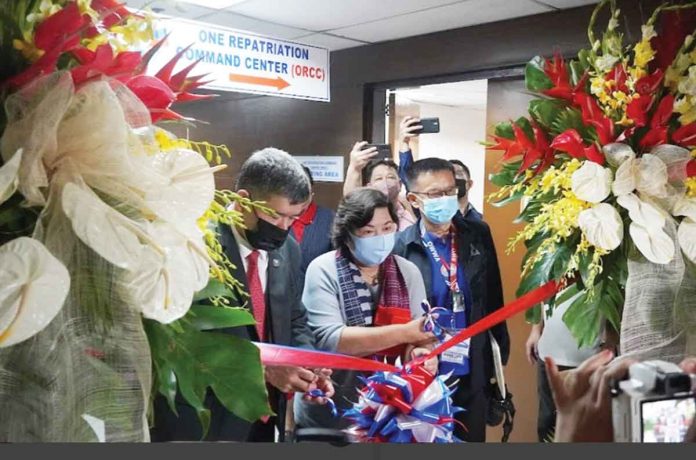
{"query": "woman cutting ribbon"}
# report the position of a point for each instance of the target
(361, 300)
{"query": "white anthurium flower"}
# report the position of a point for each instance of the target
(188, 190)
(163, 284)
(9, 176)
(108, 232)
(33, 287)
(592, 182)
(686, 235)
(625, 179)
(686, 207)
(602, 226)
(646, 229)
(617, 153)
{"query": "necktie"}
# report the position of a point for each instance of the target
(258, 300)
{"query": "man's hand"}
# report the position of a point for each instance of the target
(582, 398)
(530, 347)
(407, 129)
(324, 384)
(288, 379)
(359, 157)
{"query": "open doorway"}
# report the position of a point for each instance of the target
(461, 108)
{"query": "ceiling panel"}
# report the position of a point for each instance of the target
(568, 3)
(322, 15)
(443, 18)
(237, 21)
(331, 42)
(170, 8)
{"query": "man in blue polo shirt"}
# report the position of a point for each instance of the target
(460, 269)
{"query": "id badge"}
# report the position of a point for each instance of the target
(456, 359)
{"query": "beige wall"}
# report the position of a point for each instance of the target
(507, 100)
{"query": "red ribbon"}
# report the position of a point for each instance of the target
(277, 355)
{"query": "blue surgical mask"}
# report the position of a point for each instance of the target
(440, 210)
(372, 250)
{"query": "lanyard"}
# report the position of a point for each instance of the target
(448, 267)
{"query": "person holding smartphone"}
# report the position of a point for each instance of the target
(369, 168)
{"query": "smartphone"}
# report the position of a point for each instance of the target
(430, 125)
(384, 151)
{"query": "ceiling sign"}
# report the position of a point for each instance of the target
(244, 62)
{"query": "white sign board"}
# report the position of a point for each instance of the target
(244, 62)
(324, 169)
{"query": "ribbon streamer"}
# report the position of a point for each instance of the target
(279, 355)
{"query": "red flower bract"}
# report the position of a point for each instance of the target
(156, 96)
(685, 135)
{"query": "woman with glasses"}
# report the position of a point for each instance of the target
(361, 300)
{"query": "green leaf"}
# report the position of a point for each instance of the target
(570, 292)
(214, 288)
(586, 314)
(534, 76)
(577, 70)
(571, 118)
(546, 111)
(514, 197)
(199, 360)
(504, 129)
(506, 175)
(533, 315)
(207, 317)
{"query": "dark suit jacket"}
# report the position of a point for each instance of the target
(478, 258)
(286, 324)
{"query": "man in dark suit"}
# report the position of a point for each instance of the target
(460, 269)
(268, 265)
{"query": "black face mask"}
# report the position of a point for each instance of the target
(266, 236)
(461, 186)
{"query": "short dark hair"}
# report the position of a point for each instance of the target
(426, 165)
(309, 174)
(355, 211)
(274, 172)
(372, 164)
(464, 167)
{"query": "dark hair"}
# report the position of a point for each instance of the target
(355, 211)
(464, 167)
(309, 174)
(426, 165)
(274, 172)
(372, 164)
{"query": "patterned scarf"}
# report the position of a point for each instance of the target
(357, 300)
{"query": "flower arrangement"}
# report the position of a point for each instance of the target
(605, 159)
(110, 263)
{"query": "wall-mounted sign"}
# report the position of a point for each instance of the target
(324, 169)
(242, 61)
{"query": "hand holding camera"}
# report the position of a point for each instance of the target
(411, 127)
(587, 413)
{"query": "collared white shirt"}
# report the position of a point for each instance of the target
(245, 249)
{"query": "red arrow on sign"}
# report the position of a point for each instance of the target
(278, 82)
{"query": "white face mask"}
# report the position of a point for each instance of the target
(373, 250)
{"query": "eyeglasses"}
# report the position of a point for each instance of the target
(438, 194)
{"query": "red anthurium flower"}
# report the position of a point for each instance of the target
(61, 29)
(44, 65)
(691, 168)
(675, 25)
(649, 83)
(637, 109)
(570, 142)
(156, 96)
(618, 75)
(593, 116)
(103, 62)
(685, 135)
(115, 12)
(658, 124)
